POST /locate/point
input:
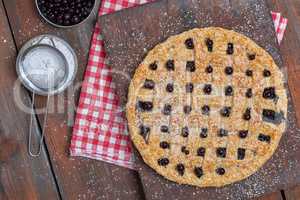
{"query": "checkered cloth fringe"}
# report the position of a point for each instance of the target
(100, 130)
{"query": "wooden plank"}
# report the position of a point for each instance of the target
(272, 196)
(125, 51)
(292, 193)
(21, 177)
(78, 178)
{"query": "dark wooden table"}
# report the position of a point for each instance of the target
(55, 175)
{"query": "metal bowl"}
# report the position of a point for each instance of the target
(60, 26)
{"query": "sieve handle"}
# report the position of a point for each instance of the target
(36, 154)
(46, 36)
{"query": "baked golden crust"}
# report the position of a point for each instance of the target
(252, 121)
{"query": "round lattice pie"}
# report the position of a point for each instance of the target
(207, 107)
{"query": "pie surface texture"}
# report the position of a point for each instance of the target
(207, 107)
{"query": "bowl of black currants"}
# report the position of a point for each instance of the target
(65, 13)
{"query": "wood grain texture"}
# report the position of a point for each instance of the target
(290, 48)
(77, 178)
(272, 196)
(21, 177)
(128, 39)
(292, 193)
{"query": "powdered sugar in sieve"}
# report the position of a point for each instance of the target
(45, 67)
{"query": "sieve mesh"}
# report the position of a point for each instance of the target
(45, 67)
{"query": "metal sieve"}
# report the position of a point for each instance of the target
(46, 65)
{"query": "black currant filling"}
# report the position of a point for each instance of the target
(222, 133)
(144, 106)
(164, 129)
(164, 145)
(249, 93)
(243, 134)
(272, 116)
(153, 66)
(198, 171)
(247, 114)
(269, 93)
(205, 110)
(189, 87)
(230, 49)
(209, 69)
(228, 91)
(266, 73)
(269, 114)
(228, 70)
(207, 89)
(249, 73)
(149, 84)
(203, 133)
(184, 150)
(170, 87)
(201, 152)
(185, 132)
(66, 12)
(189, 43)
(180, 169)
(167, 109)
(221, 152)
(220, 171)
(163, 161)
(144, 132)
(170, 66)
(251, 56)
(241, 153)
(209, 43)
(225, 112)
(190, 66)
(187, 109)
(264, 138)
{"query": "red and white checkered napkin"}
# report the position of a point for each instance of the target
(280, 24)
(100, 130)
